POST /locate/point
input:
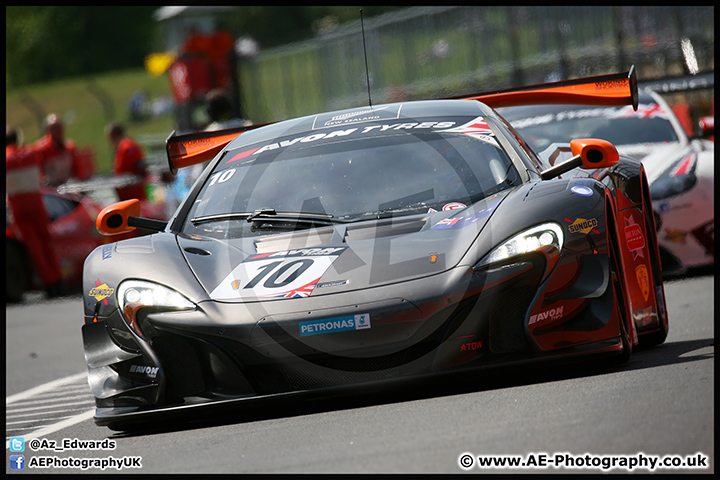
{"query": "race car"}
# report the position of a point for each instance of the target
(73, 234)
(369, 246)
(680, 169)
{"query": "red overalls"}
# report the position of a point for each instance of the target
(129, 158)
(58, 162)
(22, 181)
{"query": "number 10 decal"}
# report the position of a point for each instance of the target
(277, 273)
(288, 274)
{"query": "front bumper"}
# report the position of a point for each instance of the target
(223, 353)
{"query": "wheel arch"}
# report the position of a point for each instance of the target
(612, 232)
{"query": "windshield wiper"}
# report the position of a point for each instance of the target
(268, 215)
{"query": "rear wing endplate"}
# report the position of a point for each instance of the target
(612, 90)
(194, 148)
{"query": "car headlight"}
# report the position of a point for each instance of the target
(547, 234)
(671, 186)
(134, 295)
(680, 178)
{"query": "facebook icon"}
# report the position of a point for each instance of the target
(17, 462)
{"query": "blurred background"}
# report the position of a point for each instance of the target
(136, 65)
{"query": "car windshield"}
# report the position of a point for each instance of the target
(347, 179)
(542, 126)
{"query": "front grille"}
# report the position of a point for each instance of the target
(181, 364)
(507, 332)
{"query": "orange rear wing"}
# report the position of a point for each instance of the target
(193, 148)
(612, 90)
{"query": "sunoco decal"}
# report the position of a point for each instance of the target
(332, 325)
(286, 274)
(101, 292)
(634, 237)
(582, 225)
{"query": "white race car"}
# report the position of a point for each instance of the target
(680, 169)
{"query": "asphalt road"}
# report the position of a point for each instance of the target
(660, 403)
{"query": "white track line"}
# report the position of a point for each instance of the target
(45, 388)
(81, 417)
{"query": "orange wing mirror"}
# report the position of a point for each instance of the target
(124, 217)
(595, 152)
(589, 153)
(113, 219)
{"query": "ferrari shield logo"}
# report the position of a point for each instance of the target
(641, 272)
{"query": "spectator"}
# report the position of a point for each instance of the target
(129, 160)
(24, 197)
(59, 159)
(222, 45)
(220, 111)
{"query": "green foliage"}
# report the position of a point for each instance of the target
(273, 26)
(51, 42)
(82, 112)
(53, 53)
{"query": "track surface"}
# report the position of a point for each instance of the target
(660, 403)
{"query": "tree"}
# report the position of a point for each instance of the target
(52, 42)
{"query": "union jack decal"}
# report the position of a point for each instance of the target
(299, 292)
(477, 126)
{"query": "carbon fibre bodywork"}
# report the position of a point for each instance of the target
(406, 292)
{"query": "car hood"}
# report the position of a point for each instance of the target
(656, 157)
(338, 258)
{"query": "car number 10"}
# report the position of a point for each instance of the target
(273, 277)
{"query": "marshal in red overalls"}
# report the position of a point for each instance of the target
(22, 181)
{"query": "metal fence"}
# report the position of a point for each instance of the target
(432, 52)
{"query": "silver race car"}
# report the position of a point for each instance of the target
(368, 246)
